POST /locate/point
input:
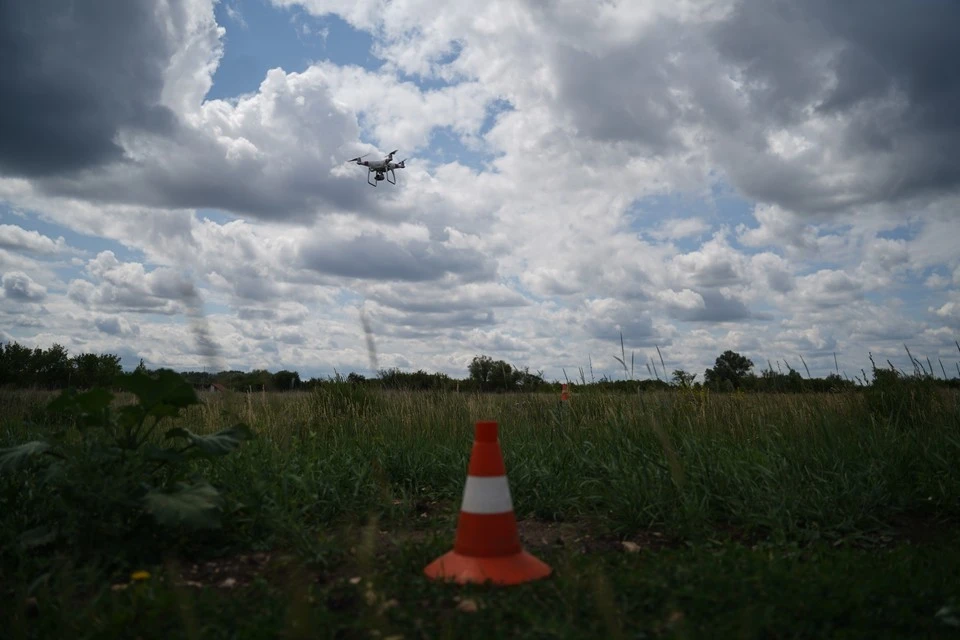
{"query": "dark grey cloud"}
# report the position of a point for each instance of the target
(195, 175)
(291, 336)
(780, 280)
(629, 100)
(115, 326)
(880, 76)
(74, 75)
(109, 325)
(19, 286)
(717, 308)
(250, 313)
(439, 298)
(888, 68)
(375, 257)
(190, 170)
(427, 325)
(637, 328)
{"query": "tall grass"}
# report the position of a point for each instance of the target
(789, 466)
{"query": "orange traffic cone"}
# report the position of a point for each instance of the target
(487, 545)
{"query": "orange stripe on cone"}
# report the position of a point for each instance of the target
(487, 545)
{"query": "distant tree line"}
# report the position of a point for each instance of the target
(54, 368)
(734, 372)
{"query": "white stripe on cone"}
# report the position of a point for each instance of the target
(486, 495)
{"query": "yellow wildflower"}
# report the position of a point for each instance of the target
(140, 575)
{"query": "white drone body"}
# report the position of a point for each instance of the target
(380, 168)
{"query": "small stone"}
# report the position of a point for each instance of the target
(31, 606)
(355, 580)
(630, 547)
(229, 583)
(386, 606)
(467, 606)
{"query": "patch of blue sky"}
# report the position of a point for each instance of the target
(649, 214)
(516, 284)
(216, 215)
(432, 82)
(89, 244)
(425, 83)
(910, 298)
(445, 146)
(906, 231)
(346, 297)
(494, 110)
(763, 312)
(216, 308)
(260, 37)
(731, 209)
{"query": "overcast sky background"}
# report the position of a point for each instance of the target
(776, 178)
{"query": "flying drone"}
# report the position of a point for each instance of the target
(381, 168)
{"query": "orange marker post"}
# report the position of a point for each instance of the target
(487, 545)
(564, 393)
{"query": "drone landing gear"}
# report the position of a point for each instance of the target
(380, 176)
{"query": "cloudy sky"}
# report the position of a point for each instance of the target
(777, 178)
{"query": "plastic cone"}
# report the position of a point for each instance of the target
(487, 545)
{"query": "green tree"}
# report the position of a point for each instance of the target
(481, 370)
(729, 367)
(286, 380)
(683, 379)
(493, 374)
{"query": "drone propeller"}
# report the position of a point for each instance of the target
(390, 155)
(358, 158)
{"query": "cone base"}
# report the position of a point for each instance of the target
(505, 570)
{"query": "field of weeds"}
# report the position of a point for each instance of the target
(669, 514)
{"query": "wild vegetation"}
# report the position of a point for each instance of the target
(154, 508)
(53, 368)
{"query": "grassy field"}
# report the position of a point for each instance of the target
(663, 515)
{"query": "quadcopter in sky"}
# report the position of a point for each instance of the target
(381, 168)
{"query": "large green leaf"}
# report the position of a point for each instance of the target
(12, 458)
(89, 409)
(156, 454)
(37, 537)
(216, 444)
(159, 392)
(196, 506)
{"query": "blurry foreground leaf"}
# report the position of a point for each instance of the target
(196, 506)
(37, 537)
(12, 458)
(160, 392)
(215, 444)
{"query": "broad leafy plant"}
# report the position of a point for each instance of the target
(110, 474)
